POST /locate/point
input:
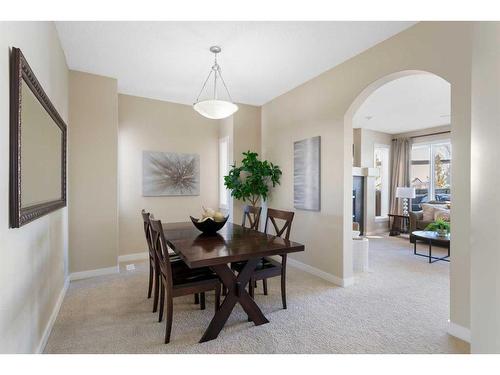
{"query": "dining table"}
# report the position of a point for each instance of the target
(233, 243)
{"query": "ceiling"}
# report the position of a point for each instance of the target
(259, 60)
(406, 104)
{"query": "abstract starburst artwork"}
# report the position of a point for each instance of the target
(169, 173)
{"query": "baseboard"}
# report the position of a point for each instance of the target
(92, 273)
(53, 317)
(459, 331)
(132, 257)
(321, 274)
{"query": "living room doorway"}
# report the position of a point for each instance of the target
(402, 148)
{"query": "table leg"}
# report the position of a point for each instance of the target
(236, 292)
(395, 231)
(430, 251)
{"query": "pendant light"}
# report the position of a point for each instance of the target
(215, 108)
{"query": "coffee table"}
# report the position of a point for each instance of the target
(430, 238)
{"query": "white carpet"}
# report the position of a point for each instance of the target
(401, 306)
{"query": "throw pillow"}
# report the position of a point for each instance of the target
(442, 213)
(428, 212)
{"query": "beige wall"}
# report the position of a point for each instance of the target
(368, 139)
(33, 268)
(318, 107)
(485, 249)
(153, 125)
(93, 140)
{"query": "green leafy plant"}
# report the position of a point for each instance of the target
(252, 180)
(439, 225)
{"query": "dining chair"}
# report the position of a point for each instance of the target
(153, 274)
(153, 264)
(251, 213)
(268, 267)
(177, 279)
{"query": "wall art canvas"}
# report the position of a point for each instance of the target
(170, 174)
(306, 174)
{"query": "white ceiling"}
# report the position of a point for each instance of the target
(406, 104)
(259, 60)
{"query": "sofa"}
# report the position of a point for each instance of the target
(417, 221)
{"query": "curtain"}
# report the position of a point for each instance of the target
(400, 171)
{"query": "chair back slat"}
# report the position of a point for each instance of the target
(147, 232)
(161, 249)
(286, 216)
(251, 213)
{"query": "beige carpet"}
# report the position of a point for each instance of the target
(401, 306)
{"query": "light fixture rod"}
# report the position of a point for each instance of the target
(215, 78)
(217, 71)
(204, 84)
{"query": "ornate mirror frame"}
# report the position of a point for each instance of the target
(19, 71)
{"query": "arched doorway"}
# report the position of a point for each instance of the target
(432, 174)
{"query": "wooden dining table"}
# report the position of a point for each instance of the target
(233, 243)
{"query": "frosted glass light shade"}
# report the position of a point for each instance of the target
(405, 192)
(215, 109)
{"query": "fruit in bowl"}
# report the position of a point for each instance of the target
(211, 221)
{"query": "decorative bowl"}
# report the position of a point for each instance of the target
(209, 225)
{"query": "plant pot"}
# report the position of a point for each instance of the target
(442, 232)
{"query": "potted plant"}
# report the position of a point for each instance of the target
(441, 226)
(252, 180)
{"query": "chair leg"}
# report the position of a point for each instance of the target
(255, 284)
(157, 289)
(264, 284)
(151, 272)
(202, 301)
(283, 281)
(196, 298)
(170, 308)
(217, 297)
(224, 291)
(162, 300)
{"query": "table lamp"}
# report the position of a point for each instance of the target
(405, 193)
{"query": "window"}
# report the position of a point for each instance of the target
(431, 172)
(381, 161)
(223, 171)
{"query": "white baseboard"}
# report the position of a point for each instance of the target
(132, 257)
(459, 331)
(321, 274)
(53, 317)
(92, 273)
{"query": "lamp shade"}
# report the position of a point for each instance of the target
(215, 109)
(405, 192)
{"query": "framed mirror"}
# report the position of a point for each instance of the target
(37, 147)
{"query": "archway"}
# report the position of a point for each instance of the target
(356, 106)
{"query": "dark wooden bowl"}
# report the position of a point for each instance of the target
(209, 226)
